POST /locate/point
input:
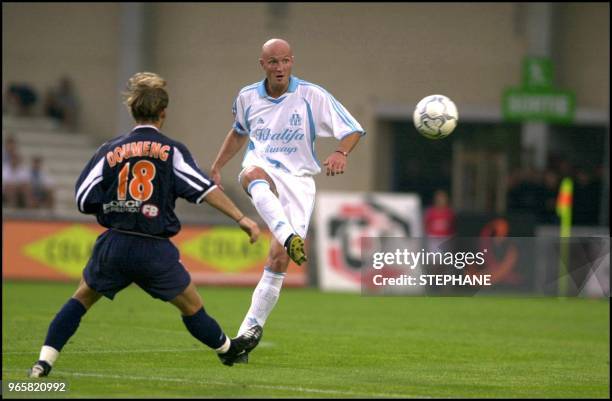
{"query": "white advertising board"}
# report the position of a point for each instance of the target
(343, 219)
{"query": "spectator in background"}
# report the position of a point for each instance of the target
(21, 98)
(15, 183)
(439, 227)
(440, 218)
(40, 186)
(61, 104)
(9, 150)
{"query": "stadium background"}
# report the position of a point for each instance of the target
(377, 59)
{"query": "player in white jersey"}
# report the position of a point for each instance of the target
(279, 118)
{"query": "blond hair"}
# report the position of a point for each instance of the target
(145, 96)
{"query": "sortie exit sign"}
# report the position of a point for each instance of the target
(537, 99)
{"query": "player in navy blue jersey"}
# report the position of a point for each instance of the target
(131, 185)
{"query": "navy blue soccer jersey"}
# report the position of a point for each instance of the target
(132, 183)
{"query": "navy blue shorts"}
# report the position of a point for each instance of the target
(119, 259)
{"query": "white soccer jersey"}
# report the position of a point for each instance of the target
(282, 131)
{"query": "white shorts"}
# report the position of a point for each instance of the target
(296, 194)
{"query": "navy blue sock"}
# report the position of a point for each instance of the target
(65, 324)
(205, 328)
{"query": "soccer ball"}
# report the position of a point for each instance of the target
(435, 116)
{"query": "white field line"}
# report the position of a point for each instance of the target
(116, 351)
(263, 344)
(228, 384)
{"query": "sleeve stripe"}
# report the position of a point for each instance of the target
(246, 119)
(188, 181)
(94, 174)
(361, 132)
(342, 115)
(238, 128)
(179, 165)
(84, 197)
(201, 198)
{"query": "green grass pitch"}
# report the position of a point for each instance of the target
(319, 345)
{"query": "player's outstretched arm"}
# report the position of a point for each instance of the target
(220, 201)
(231, 145)
(250, 227)
(336, 162)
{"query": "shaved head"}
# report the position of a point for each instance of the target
(276, 60)
(274, 46)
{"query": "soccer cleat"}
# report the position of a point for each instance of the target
(295, 248)
(241, 346)
(244, 358)
(40, 369)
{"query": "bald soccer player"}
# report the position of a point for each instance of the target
(280, 117)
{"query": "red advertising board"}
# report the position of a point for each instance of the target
(221, 255)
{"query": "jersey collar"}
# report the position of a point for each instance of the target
(145, 126)
(293, 84)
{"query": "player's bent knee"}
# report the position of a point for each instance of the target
(86, 295)
(186, 307)
(189, 301)
(253, 173)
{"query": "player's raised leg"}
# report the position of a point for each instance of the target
(260, 187)
(63, 326)
(206, 329)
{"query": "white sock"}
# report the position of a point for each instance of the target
(264, 298)
(225, 347)
(270, 210)
(48, 354)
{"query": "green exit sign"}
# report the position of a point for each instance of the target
(553, 106)
(537, 99)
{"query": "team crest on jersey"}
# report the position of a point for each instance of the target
(295, 120)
